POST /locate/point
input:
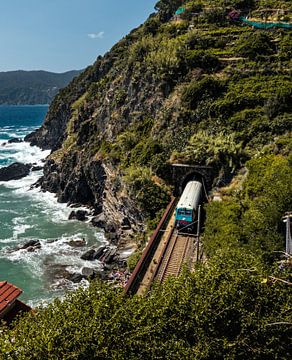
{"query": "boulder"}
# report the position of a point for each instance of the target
(91, 273)
(76, 277)
(30, 245)
(88, 255)
(88, 272)
(80, 215)
(109, 256)
(98, 210)
(37, 168)
(99, 252)
(99, 221)
(14, 171)
(14, 140)
(110, 228)
(125, 224)
(77, 243)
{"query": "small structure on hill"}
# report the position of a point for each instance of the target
(10, 306)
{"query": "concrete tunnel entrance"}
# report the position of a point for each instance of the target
(183, 173)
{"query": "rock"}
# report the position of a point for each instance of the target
(88, 255)
(109, 256)
(113, 238)
(125, 224)
(14, 171)
(110, 228)
(99, 221)
(108, 267)
(36, 168)
(30, 246)
(99, 252)
(92, 254)
(52, 241)
(80, 215)
(33, 248)
(14, 140)
(77, 243)
(88, 272)
(91, 273)
(76, 277)
(98, 210)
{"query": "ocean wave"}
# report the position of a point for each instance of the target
(27, 154)
(51, 260)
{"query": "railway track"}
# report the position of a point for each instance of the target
(177, 253)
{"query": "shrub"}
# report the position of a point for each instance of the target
(150, 197)
(196, 91)
(203, 59)
(255, 44)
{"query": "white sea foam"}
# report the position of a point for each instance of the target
(20, 229)
(54, 253)
(26, 154)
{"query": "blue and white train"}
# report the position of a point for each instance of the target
(186, 209)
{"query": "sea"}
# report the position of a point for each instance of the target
(27, 213)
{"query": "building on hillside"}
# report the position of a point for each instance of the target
(10, 306)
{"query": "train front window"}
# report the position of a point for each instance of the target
(185, 212)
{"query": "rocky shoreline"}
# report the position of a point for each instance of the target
(112, 212)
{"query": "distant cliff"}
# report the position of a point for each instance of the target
(32, 87)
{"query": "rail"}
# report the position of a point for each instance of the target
(166, 257)
(141, 267)
(173, 257)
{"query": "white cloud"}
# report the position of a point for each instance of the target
(98, 35)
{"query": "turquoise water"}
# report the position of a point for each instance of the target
(27, 214)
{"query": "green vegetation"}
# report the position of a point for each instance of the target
(252, 217)
(227, 309)
(198, 89)
(32, 87)
(149, 196)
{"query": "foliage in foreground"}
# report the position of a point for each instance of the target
(223, 310)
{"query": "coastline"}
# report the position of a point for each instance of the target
(30, 214)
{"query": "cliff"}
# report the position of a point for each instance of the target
(196, 87)
(199, 87)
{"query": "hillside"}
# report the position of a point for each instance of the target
(198, 86)
(32, 87)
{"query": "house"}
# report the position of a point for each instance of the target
(10, 306)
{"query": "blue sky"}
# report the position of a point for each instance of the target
(61, 35)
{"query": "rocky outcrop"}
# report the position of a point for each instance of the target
(93, 110)
(90, 182)
(77, 243)
(37, 168)
(14, 141)
(14, 171)
(80, 215)
(29, 246)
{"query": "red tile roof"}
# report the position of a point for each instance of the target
(8, 294)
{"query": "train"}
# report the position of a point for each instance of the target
(187, 206)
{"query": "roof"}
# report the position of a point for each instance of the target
(8, 294)
(180, 10)
(191, 195)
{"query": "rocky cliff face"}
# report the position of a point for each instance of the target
(196, 88)
(94, 109)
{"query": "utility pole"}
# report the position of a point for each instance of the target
(287, 220)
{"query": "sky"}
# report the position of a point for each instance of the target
(63, 35)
